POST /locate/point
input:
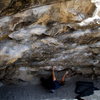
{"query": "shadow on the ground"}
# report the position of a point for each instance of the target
(37, 92)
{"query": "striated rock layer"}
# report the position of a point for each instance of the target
(44, 33)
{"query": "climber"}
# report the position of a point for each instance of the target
(52, 83)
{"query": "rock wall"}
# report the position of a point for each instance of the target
(36, 35)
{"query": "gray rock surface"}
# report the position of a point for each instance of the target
(38, 35)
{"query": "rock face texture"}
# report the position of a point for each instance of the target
(35, 35)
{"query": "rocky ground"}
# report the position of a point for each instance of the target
(31, 91)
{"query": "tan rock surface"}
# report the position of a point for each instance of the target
(58, 34)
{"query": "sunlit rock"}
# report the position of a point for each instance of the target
(26, 33)
(11, 51)
(95, 18)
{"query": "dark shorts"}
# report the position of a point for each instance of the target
(56, 84)
(50, 84)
